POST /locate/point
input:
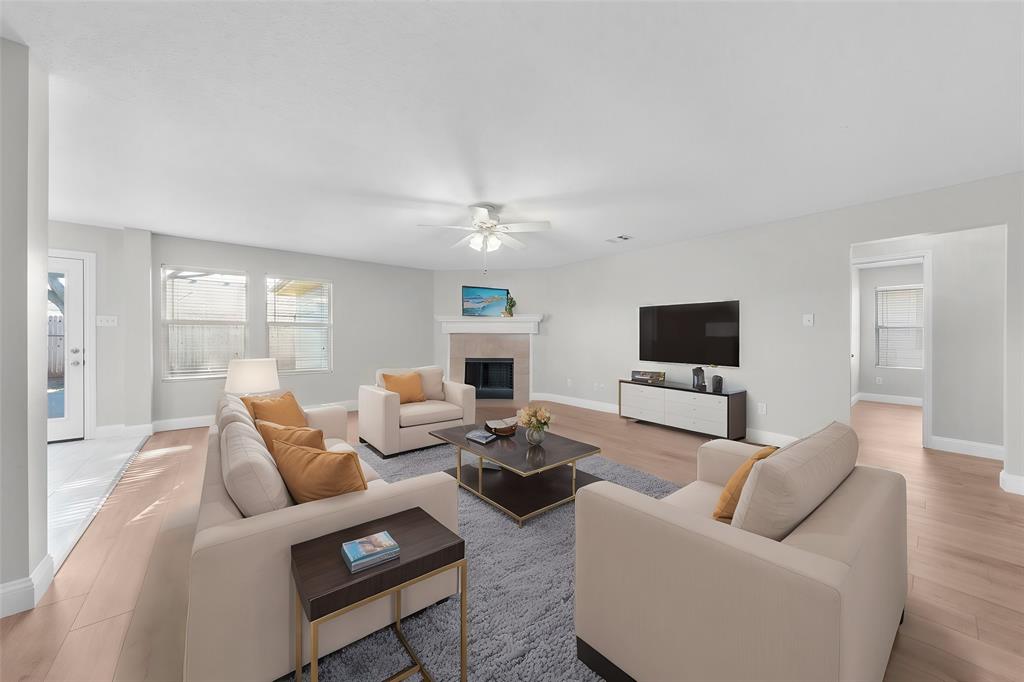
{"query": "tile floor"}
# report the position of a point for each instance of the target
(80, 476)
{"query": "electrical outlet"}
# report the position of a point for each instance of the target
(878, 380)
(808, 319)
(568, 382)
(762, 408)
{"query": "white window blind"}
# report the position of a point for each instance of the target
(899, 326)
(204, 319)
(299, 324)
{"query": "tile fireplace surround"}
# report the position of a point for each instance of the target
(492, 337)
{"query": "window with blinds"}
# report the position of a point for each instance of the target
(899, 327)
(299, 324)
(204, 320)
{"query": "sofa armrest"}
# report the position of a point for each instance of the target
(331, 419)
(464, 396)
(378, 418)
(241, 596)
(717, 460)
(656, 586)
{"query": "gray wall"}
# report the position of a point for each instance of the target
(778, 271)
(968, 305)
(896, 381)
(24, 172)
(382, 318)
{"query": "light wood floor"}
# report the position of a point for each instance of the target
(116, 608)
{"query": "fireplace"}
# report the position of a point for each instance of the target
(492, 377)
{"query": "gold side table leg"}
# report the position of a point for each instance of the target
(458, 465)
(574, 478)
(314, 657)
(298, 637)
(480, 475)
(464, 584)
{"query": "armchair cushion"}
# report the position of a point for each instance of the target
(427, 412)
(408, 386)
(726, 506)
(698, 498)
(432, 377)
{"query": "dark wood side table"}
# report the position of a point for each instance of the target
(326, 589)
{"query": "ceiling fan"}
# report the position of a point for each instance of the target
(489, 233)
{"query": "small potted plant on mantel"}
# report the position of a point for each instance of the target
(510, 306)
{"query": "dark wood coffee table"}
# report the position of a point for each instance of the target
(326, 589)
(531, 480)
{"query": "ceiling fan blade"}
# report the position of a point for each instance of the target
(525, 227)
(450, 227)
(462, 242)
(509, 241)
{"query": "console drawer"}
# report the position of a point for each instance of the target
(713, 428)
(647, 415)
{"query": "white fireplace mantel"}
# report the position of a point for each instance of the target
(520, 324)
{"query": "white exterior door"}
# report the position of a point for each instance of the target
(66, 352)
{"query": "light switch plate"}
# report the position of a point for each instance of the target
(106, 320)
(808, 319)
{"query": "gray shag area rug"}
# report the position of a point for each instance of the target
(521, 583)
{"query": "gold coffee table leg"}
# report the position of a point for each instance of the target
(298, 637)
(458, 465)
(314, 658)
(574, 479)
(480, 475)
(464, 583)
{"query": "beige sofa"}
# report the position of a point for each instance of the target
(241, 597)
(808, 583)
(391, 427)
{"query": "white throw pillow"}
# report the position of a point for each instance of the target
(250, 474)
(783, 489)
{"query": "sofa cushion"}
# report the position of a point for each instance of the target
(698, 497)
(296, 435)
(427, 412)
(250, 474)
(338, 445)
(408, 386)
(431, 375)
(232, 409)
(313, 474)
(726, 505)
(784, 488)
(283, 409)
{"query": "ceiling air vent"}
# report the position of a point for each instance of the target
(619, 239)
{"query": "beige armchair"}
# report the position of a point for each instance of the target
(666, 592)
(391, 427)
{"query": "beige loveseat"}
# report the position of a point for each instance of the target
(240, 596)
(391, 427)
(808, 583)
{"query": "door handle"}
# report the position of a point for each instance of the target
(74, 350)
(75, 363)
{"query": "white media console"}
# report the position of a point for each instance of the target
(715, 414)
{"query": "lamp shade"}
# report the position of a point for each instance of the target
(257, 375)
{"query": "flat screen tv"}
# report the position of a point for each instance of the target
(691, 333)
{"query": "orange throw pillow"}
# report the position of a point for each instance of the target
(409, 387)
(315, 474)
(282, 409)
(730, 496)
(296, 435)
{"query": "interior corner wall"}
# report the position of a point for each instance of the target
(896, 381)
(381, 317)
(778, 271)
(26, 568)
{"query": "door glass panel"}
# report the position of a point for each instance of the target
(55, 345)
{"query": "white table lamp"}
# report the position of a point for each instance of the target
(256, 375)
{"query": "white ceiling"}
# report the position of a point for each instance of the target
(336, 128)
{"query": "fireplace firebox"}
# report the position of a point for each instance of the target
(492, 377)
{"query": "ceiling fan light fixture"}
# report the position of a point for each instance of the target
(476, 242)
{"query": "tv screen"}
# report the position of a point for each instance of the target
(691, 333)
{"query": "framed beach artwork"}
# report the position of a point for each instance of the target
(483, 301)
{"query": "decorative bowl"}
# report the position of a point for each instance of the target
(503, 431)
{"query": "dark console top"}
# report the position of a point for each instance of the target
(675, 386)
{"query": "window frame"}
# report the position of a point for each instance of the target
(309, 325)
(165, 323)
(900, 287)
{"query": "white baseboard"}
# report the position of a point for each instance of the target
(883, 398)
(182, 423)
(769, 438)
(124, 431)
(965, 447)
(576, 402)
(24, 593)
(1011, 483)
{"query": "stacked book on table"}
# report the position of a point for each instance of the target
(367, 552)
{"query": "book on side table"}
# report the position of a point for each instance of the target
(365, 552)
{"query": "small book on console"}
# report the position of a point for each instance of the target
(480, 436)
(365, 552)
